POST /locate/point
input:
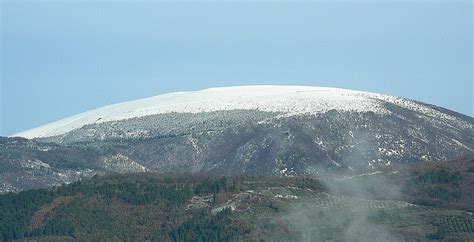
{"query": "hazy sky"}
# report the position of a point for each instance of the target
(59, 59)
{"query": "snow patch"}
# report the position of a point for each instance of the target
(286, 196)
(462, 145)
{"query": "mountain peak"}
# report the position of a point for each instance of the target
(289, 100)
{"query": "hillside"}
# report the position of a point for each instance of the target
(252, 130)
(391, 204)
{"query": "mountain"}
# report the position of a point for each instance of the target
(250, 130)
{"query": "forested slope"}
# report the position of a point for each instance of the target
(392, 204)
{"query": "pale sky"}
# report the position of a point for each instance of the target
(60, 59)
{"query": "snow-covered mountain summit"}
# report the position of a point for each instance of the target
(249, 130)
(288, 100)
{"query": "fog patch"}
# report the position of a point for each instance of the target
(350, 210)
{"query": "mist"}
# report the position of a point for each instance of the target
(355, 203)
(348, 211)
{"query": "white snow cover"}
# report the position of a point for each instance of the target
(291, 100)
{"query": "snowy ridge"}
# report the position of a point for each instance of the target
(291, 100)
